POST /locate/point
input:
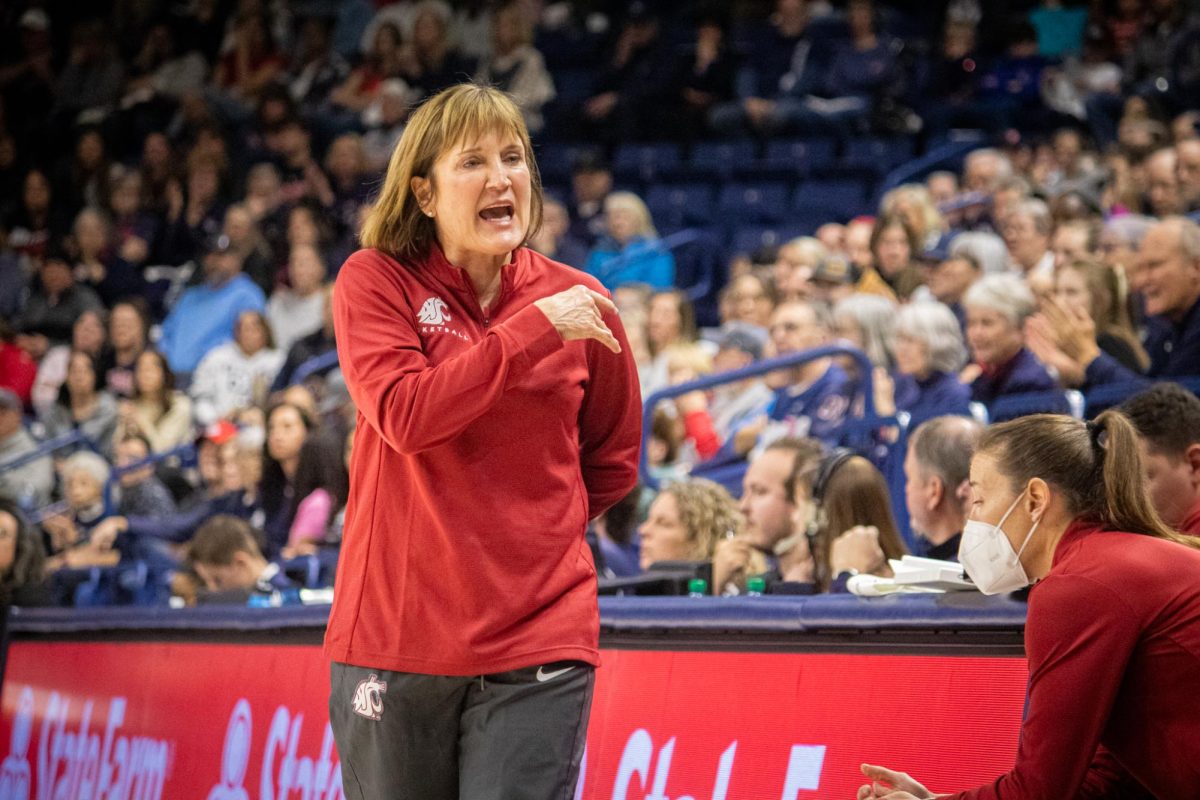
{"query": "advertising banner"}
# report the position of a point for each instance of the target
(109, 720)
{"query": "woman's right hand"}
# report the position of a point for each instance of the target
(731, 558)
(576, 314)
(891, 785)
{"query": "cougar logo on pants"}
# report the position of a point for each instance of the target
(368, 698)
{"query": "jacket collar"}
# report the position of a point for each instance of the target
(511, 274)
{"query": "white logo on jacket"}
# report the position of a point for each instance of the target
(368, 698)
(433, 312)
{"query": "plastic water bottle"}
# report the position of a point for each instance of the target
(755, 586)
(697, 587)
(276, 599)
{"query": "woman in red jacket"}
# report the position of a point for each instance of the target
(498, 411)
(1113, 629)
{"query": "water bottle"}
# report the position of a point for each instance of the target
(697, 587)
(262, 600)
(755, 586)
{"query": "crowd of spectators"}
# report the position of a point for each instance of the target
(179, 184)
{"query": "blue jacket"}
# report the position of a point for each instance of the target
(941, 393)
(1174, 350)
(640, 261)
(856, 73)
(180, 526)
(824, 404)
(204, 317)
(1023, 374)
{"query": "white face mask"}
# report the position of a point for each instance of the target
(988, 556)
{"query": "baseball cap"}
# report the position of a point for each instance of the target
(220, 432)
(939, 250)
(739, 338)
(836, 269)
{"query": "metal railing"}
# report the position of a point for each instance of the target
(867, 421)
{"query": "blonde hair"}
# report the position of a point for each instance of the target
(396, 224)
(690, 356)
(918, 195)
(808, 248)
(706, 511)
(1109, 306)
(633, 204)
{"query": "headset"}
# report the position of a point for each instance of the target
(828, 466)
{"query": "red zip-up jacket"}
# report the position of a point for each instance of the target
(1113, 641)
(484, 445)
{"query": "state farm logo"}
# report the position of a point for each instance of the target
(14, 772)
(235, 756)
(640, 775)
(283, 772)
(78, 763)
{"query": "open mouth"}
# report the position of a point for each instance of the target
(501, 212)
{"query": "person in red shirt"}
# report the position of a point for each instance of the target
(1167, 418)
(1113, 629)
(498, 411)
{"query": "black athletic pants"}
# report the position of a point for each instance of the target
(515, 735)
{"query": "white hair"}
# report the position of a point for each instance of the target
(1189, 235)
(988, 250)
(1004, 168)
(1004, 294)
(875, 315)
(935, 326)
(91, 463)
(1130, 228)
(1038, 212)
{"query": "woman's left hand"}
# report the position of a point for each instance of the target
(857, 549)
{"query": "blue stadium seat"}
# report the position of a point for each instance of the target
(645, 162)
(555, 160)
(793, 158)
(574, 85)
(876, 155)
(680, 205)
(721, 159)
(699, 269)
(763, 201)
(748, 238)
(130, 583)
(836, 200)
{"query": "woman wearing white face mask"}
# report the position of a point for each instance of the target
(1113, 628)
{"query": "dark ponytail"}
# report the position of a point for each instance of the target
(1096, 465)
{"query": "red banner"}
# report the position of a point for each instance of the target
(92, 721)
